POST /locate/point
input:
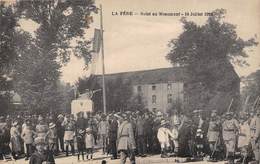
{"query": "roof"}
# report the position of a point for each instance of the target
(161, 75)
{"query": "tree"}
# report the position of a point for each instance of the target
(119, 94)
(62, 25)
(8, 21)
(207, 52)
(251, 88)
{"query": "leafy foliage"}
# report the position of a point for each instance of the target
(251, 87)
(62, 25)
(207, 52)
(119, 94)
(8, 22)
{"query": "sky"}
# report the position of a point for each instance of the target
(139, 42)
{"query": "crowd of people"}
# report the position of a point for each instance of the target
(39, 138)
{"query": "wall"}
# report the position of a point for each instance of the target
(161, 91)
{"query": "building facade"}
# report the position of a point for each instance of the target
(159, 89)
(160, 96)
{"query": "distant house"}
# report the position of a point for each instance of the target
(161, 88)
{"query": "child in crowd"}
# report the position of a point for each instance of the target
(199, 141)
(90, 142)
(81, 143)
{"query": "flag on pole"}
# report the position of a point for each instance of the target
(97, 40)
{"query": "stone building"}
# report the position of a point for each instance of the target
(158, 88)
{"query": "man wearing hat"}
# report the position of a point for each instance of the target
(163, 135)
(255, 135)
(51, 137)
(213, 135)
(126, 141)
(229, 129)
(60, 133)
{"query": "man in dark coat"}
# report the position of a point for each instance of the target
(112, 135)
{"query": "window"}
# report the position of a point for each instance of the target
(169, 86)
(169, 98)
(154, 99)
(154, 87)
(139, 88)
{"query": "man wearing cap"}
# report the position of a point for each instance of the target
(213, 135)
(255, 135)
(229, 129)
(126, 141)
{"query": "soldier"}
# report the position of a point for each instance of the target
(41, 127)
(255, 135)
(126, 141)
(243, 137)
(213, 135)
(69, 126)
(229, 129)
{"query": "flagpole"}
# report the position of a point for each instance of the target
(103, 64)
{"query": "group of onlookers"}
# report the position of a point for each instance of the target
(130, 134)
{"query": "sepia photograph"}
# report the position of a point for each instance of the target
(129, 81)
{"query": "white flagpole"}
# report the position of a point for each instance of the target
(103, 64)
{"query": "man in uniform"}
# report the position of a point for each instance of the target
(126, 141)
(255, 135)
(229, 129)
(69, 134)
(213, 134)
